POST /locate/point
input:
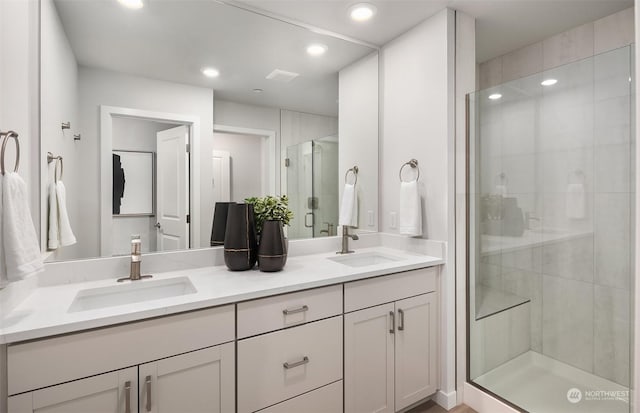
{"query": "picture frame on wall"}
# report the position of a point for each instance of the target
(133, 183)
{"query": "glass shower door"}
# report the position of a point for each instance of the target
(551, 248)
(299, 166)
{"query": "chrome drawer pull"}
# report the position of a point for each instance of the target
(147, 382)
(393, 322)
(296, 310)
(288, 365)
(127, 396)
(401, 325)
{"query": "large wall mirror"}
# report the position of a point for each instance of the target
(207, 102)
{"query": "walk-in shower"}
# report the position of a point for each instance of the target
(312, 186)
(551, 247)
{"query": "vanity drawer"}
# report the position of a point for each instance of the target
(327, 399)
(388, 288)
(284, 364)
(35, 364)
(274, 313)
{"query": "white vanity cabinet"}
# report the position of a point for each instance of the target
(172, 363)
(390, 341)
(297, 368)
(105, 393)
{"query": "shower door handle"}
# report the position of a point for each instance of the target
(306, 220)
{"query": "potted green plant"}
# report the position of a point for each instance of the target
(272, 213)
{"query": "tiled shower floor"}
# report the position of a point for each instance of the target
(539, 384)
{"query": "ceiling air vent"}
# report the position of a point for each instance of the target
(282, 76)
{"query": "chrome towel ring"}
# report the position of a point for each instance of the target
(58, 159)
(5, 138)
(413, 163)
(354, 171)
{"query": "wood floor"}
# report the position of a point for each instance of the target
(431, 407)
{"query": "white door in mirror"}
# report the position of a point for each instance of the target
(172, 180)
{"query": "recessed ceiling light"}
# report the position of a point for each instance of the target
(549, 82)
(210, 72)
(495, 96)
(362, 12)
(317, 49)
(257, 90)
(132, 4)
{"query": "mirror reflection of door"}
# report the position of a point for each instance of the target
(221, 176)
(172, 179)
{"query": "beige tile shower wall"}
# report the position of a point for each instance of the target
(605, 34)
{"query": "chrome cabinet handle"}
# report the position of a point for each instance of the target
(147, 383)
(295, 310)
(127, 396)
(288, 365)
(401, 325)
(393, 322)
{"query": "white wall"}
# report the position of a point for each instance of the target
(415, 120)
(418, 121)
(246, 163)
(358, 134)
(19, 88)
(100, 87)
(59, 103)
(250, 116)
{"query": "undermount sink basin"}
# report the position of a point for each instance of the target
(364, 260)
(131, 292)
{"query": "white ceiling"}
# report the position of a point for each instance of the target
(501, 25)
(173, 39)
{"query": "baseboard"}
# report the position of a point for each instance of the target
(445, 400)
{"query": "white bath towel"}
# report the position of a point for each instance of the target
(3, 268)
(19, 240)
(576, 207)
(349, 206)
(66, 234)
(410, 220)
(53, 230)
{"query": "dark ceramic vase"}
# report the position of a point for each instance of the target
(219, 226)
(240, 244)
(272, 252)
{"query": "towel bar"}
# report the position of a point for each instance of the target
(413, 163)
(5, 138)
(354, 171)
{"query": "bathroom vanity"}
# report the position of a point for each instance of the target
(328, 334)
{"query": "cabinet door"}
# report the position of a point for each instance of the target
(200, 381)
(416, 333)
(114, 392)
(368, 363)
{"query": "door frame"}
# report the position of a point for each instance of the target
(269, 158)
(107, 113)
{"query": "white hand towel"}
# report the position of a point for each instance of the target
(576, 207)
(501, 190)
(20, 242)
(53, 233)
(3, 268)
(66, 234)
(410, 220)
(349, 206)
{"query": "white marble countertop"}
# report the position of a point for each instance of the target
(45, 311)
(492, 244)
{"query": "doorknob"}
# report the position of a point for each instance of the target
(157, 225)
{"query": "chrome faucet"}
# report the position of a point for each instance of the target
(136, 261)
(345, 240)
